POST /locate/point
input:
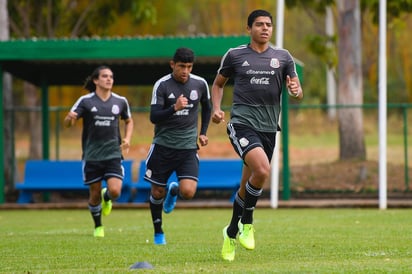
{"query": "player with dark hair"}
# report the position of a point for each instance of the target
(102, 145)
(174, 112)
(259, 71)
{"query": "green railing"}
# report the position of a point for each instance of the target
(57, 112)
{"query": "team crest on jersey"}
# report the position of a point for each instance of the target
(115, 109)
(193, 95)
(274, 63)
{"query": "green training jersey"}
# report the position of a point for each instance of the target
(101, 137)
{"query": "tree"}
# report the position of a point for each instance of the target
(349, 62)
(350, 87)
(63, 18)
(7, 101)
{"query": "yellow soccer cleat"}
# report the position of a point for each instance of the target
(106, 206)
(246, 235)
(229, 246)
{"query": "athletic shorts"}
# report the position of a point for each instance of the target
(96, 171)
(163, 161)
(244, 138)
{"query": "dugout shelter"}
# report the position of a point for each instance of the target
(136, 61)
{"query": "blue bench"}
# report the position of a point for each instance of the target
(214, 174)
(45, 176)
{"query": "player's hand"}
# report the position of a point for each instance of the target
(125, 146)
(71, 118)
(218, 116)
(203, 140)
(181, 102)
(292, 86)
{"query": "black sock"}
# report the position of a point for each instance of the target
(96, 212)
(233, 229)
(156, 207)
(251, 197)
(106, 196)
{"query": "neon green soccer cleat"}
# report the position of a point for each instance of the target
(229, 246)
(106, 206)
(246, 235)
(99, 232)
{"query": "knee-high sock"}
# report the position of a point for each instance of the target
(156, 207)
(96, 212)
(251, 197)
(238, 204)
(106, 196)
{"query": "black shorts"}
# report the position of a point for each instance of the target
(96, 171)
(244, 138)
(163, 161)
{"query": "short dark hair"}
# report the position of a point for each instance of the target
(256, 13)
(184, 55)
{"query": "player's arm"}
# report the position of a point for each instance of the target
(128, 130)
(159, 114)
(217, 94)
(70, 119)
(205, 120)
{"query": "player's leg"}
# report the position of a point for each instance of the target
(93, 179)
(95, 208)
(157, 173)
(114, 174)
(186, 165)
(156, 199)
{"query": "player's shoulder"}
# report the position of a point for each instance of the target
(278, 50)
(118, 97)
(165, 78)
(238, 49)
(88, 96)
(197, 78)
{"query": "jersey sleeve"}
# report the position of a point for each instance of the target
(291, 66)
(226, 68)
(126, 112)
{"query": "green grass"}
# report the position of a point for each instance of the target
(287, 241)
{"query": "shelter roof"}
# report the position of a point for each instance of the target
(134, 60)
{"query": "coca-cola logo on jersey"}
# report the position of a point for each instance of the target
(259, 81)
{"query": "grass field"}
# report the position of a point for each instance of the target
(287, 241)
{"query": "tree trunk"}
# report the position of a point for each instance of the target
(350, 87)
(8, 150)
(32, 101)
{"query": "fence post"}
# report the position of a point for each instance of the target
(285, 145)
(405, 143)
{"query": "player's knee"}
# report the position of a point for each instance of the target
(261, 173)
(158, 192)
(115, 193)
(187, 190)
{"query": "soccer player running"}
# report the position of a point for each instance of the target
(174, 112)
(102, 145)
(259, 71)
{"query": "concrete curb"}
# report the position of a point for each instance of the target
(264, 203)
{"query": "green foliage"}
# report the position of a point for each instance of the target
(62, 18)
(325, 48)
(395, 9)
(317, 5)
(288, 241)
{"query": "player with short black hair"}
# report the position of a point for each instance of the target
(259, 71)
(174, 110)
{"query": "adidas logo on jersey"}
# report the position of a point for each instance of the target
(245, 64)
